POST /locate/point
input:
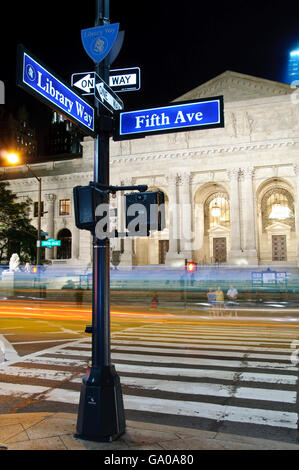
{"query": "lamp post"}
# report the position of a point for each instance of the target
(13, 159)
(101, 410)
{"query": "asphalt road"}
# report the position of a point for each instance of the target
(226, 369)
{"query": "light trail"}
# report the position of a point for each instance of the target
(67, 311)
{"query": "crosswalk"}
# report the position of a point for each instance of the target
(205, 376)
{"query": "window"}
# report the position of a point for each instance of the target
(35, 209)
(278, 206)
(64, 207)
(217, 210)
(64, 251)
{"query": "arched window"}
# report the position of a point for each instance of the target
(277, 206)
(64, 251)
(217, 210)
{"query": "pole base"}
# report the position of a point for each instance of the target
(101, 414)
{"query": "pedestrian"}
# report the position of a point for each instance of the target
(232, 293)
(219, 298)
(219, 295)
(155, 300)
(211, 296)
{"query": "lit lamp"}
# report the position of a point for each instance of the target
(13, 159)
(279, 210)
(216, 211)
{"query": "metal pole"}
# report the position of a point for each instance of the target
(101, 248)
(38, 221)
(101, 412)
(39, 213)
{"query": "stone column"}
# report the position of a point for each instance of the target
(249, 218)
(296, 171)
(50, 198)
(185, 206)
(126, 258)
(173, 256)
(235, 229)
(75, 242)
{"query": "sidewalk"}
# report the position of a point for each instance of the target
(55, 431)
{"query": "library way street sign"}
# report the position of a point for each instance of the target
(98, 41)
(35, 78)
(180, 116)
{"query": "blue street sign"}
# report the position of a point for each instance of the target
(99, 40)
(35, 78)
(181, 116)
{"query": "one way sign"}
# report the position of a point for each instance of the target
(86, 83)
(125, 79)
(119, 80)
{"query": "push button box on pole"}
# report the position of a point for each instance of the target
(145, 211)
(86, 200)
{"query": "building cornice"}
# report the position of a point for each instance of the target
(185, 154)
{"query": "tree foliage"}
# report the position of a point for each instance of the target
(17, 235)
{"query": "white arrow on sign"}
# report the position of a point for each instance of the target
(108, 98)
(86, 83)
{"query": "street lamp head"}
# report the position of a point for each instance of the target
(12, 158)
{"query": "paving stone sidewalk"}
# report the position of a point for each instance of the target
(56, 431)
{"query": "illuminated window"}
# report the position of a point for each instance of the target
(277, 206)
(217, 210)
(64, 207)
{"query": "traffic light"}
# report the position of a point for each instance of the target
(86, 200)
(190, 266)
(145, 211)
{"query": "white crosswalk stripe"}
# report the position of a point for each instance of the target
(242, 375)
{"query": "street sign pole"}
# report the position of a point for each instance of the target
(101, 412)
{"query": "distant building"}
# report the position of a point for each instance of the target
(63, 137)
(293, 67)
(17, 134)
(232, 193)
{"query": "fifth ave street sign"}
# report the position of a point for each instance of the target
(180, 116)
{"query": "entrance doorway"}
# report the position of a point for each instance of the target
(163, 249)
(64, 251)
(279, 248)
(219, 250)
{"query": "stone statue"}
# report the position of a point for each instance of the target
(14, 263)
(27, 268)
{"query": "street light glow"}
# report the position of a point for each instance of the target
(12, 158)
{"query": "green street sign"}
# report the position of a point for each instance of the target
(51, 242)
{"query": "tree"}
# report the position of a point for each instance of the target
(17, 235)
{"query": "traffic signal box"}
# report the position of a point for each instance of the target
(86, 200)
(145, 211)
(190, 266)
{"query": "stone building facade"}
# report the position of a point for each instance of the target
(232, 193)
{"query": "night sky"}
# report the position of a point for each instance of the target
(177, 44)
